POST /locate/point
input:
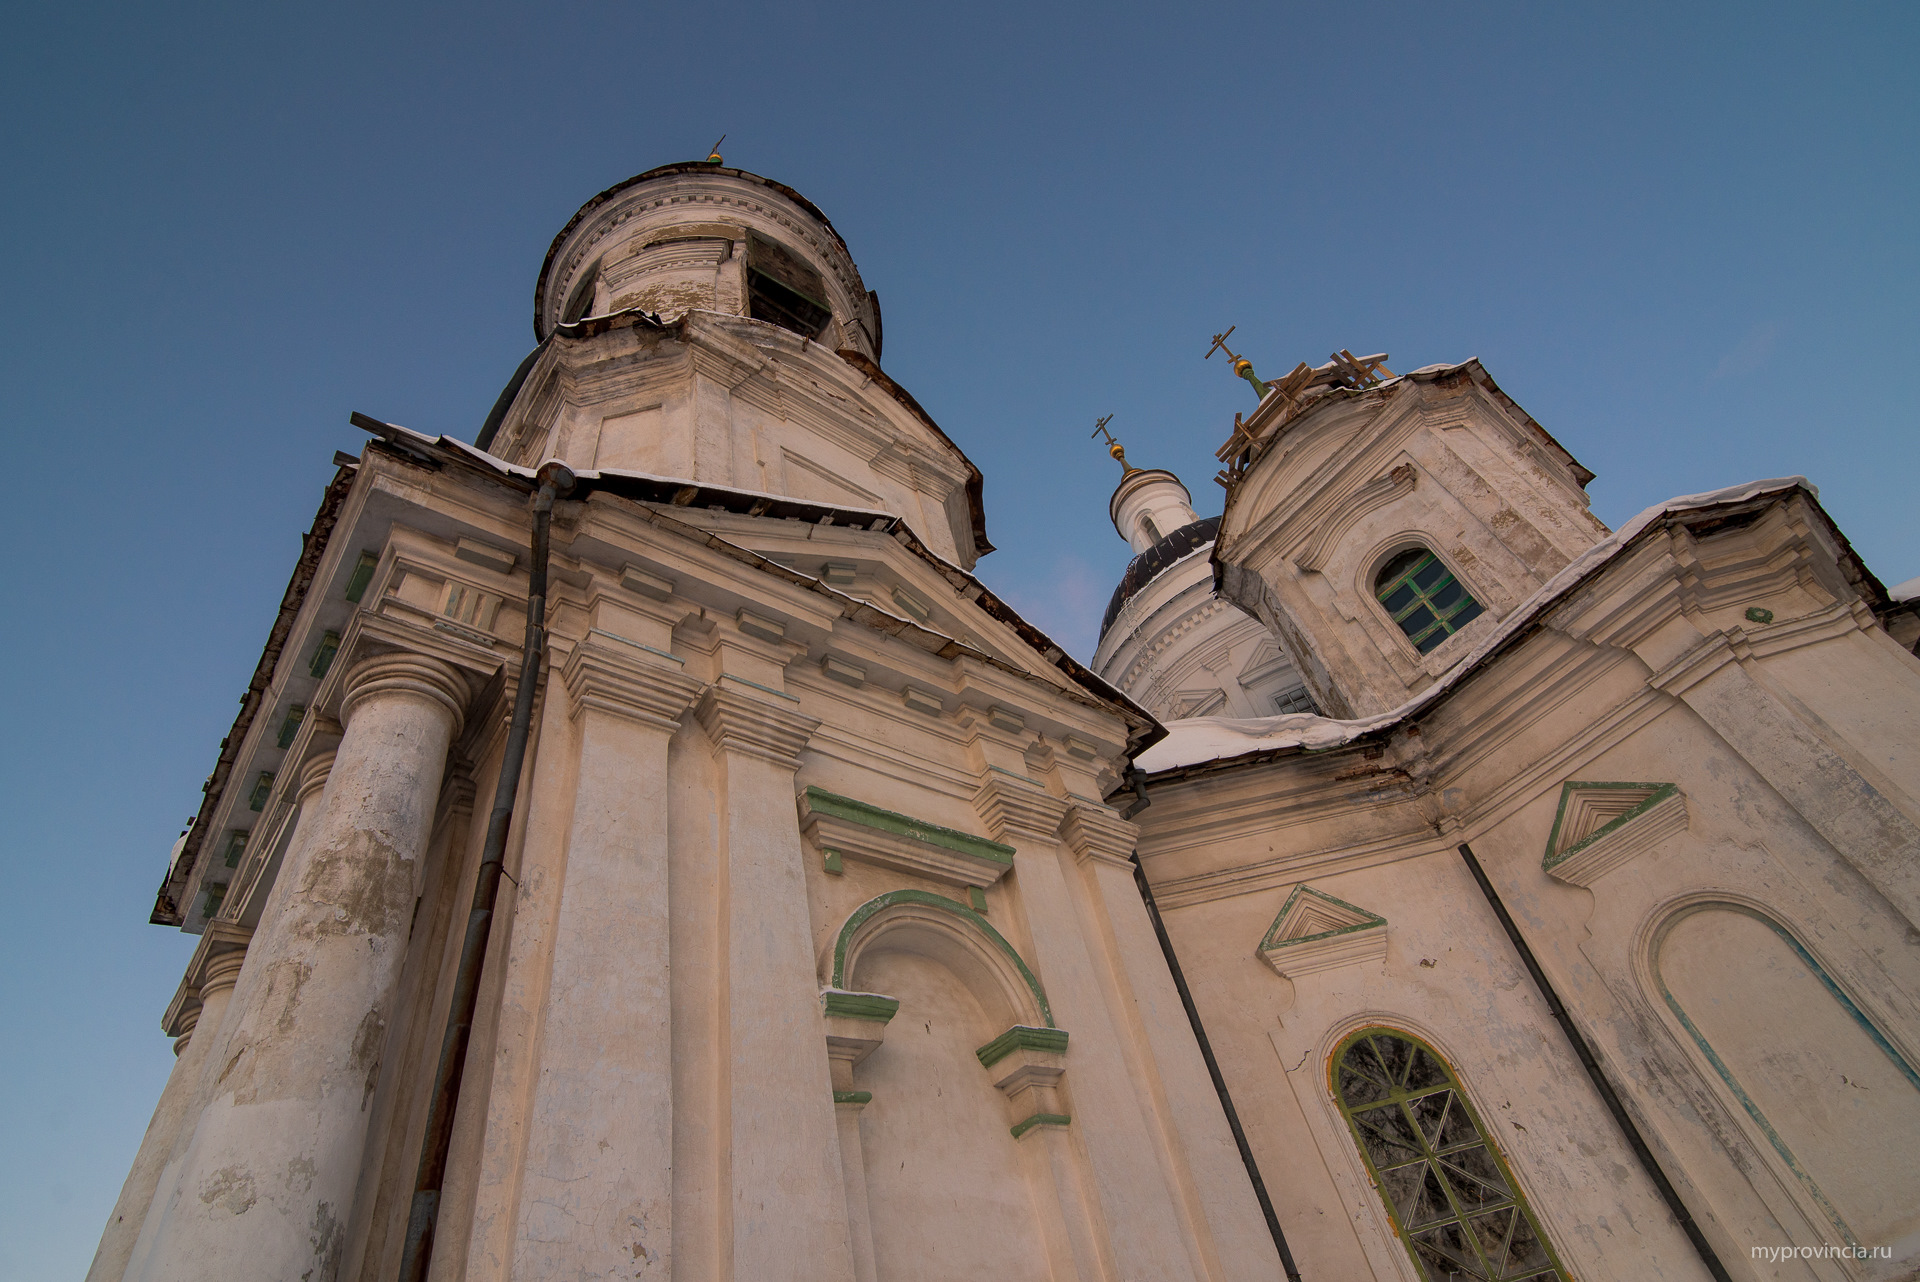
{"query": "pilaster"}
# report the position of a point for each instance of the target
(784, 1190)
(596, 1194)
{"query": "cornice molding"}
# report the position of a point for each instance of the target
(753, 725)
(843, 827)
(1101, 835)
(626, 682)
(1014, 810)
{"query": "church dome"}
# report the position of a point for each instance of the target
(702, 236)
(1167, 640)
(1146, 567)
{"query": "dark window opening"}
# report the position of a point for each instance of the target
(1423, 597)
(580, 302)
(1153, 531)
(784, 290)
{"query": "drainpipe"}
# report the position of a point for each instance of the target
(1206, 1047)
(555, 481)
(1648, 1162)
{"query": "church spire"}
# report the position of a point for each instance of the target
(1114, 447)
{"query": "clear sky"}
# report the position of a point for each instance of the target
(1683, 238)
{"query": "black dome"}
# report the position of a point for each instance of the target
(1146, 567)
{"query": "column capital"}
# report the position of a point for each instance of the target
(411, 675)
(1017, 808)
(1097, 833)
(755, 722)
(313, 776)
(610, 674)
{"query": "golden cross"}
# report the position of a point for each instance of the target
(1220, 344)
(1113, 446)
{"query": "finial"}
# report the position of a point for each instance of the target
(1113, 446)
(713, 154)
(1241, 365)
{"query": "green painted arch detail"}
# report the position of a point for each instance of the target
(865, 912)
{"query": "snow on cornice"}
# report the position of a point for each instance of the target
(1199, 741)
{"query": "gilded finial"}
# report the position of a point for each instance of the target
(713, 153)
(1113, 446)
(1242, 367)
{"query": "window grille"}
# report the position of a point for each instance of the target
(1424, 598)
(1454, 1201)
(1294, 700)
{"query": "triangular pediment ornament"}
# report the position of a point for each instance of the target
(1315, 932)
(1196, 703)
(1601, 826)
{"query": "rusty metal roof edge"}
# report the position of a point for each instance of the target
(167, 908)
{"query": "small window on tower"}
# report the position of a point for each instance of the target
(783, 289)
(1424, 598)
(1153, 531)
(580, 302)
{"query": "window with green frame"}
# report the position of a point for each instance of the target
(1449, 1191)
(1424, 598)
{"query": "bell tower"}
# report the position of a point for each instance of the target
(705, 324)
(1382, 525)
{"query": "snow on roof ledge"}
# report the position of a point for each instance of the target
(1904, 592)
(1199, 740)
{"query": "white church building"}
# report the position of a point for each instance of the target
(646, 850)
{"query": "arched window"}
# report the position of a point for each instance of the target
(1424, 598)
(1153, 531)
(1456, 1204)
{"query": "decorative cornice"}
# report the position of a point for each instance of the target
(1101, 835)
(414, 675)
(1600, 826)
(1702, 661)
(855, 829)
(1014, 810)
(627, 683)
(754, 726)
(1316, 932)
(876, 1008)
(1050, 1041)
(1327, 531)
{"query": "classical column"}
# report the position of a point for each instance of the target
(786, 1213)
(211, 974)
(266, 1185)
(596, 1191)
(214, 1035)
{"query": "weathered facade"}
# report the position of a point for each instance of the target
(821, 950)
(1682, 757)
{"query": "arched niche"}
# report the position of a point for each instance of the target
(1824, 1088)
(948, 932)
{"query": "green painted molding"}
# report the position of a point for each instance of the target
(832, 804)
(1021, 1037)
(1368, 921)
(872, 1007)
(1040, 1119)
(864, 912)
(853, 1097)
(1661, 791)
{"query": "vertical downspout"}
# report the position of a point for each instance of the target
(1588, 1061)
(555, 480)
(1206, 1047)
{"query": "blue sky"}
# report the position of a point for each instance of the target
(1681, 237)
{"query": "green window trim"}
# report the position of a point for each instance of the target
(323, 655)
(362, 575)
(216, 892)
(1426, 600)
(291, 726)
(1040, 1119)
(1451, 1196)
(860, 916)
(262, 789)
(236, 847)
